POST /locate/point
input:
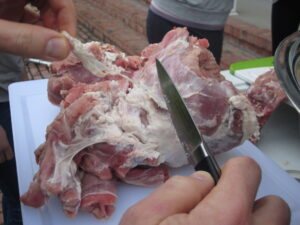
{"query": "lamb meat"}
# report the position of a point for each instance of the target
(117, 127)
(98, 196)
(266, 94)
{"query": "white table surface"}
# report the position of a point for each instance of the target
(32, 112)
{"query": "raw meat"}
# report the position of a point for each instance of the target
(117, 128)
(266, 94)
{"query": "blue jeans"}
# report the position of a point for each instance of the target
(8, 176)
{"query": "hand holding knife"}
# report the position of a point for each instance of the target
(187, 132)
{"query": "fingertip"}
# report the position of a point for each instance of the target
(70, 29)
(202, 176)
(245, 160)
(57, 48)
(245, 163)
(67, 19)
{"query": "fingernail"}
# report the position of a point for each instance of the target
(201, 175)
(57, 48)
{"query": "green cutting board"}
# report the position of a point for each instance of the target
(262, 62)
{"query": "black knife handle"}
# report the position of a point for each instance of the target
(209, 165)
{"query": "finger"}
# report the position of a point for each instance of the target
(5, 154)
(5, 149)
(49, 19)
(178, 195)
(232, 199)
(8, 153)
(66, 15)
(3, 139)
(32, 41)
(271, 210)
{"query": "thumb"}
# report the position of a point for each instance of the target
(32, 41)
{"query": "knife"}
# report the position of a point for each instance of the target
(187, 132)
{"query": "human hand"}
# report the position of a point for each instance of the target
(6, 152)
(37, 41)
(195, 200)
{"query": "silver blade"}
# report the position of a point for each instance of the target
(185, 127)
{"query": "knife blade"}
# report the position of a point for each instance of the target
(187, 132)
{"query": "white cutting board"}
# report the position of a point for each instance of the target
(250, 75)
(32, 112)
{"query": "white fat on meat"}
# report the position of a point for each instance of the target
(98, 68)
(250, 123)
(131, 120)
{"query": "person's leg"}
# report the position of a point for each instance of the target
(157, 27)
(285, 20)
(8, 176)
